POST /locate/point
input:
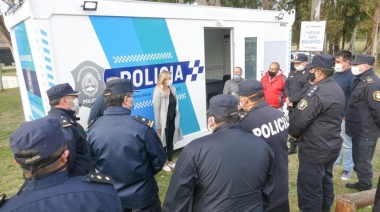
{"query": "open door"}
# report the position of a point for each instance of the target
(218, 64)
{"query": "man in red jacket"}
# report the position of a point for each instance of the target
(273, 86)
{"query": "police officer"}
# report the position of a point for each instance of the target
(39, 147)
(64, 104)
(229, 170)
(127, 148)
(363, 119)
(317, 128)
(296, 86)
(270, 124)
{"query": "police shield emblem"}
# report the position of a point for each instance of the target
(376, 95)
(302, 104)
(89, 81)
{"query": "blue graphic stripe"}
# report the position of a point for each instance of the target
(45, 42)
(46, 51)
(49, 68)
(47, 56)
(47, 60)
(43, 32)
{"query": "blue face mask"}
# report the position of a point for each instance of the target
(237, 77)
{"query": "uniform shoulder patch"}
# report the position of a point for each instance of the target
(369, 79)
(302, 104)
(312, 90)
(2, 198)
(376, 95)
(65, 122)
(100, 178)
(143, 120)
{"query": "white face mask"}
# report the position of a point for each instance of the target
(299, 68)
(338, 68)
(355, 70)
(169, 82)
(75, 106)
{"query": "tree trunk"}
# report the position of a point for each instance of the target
(5, 35)
(218, 3)
(351, 47)
(181, 1)
(375, 30)
(351, 202)
(265, 4)
(202, 2)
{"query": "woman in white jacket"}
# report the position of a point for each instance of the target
(166, 115)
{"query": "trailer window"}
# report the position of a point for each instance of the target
(250, 57)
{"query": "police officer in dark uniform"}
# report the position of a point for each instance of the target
(295, 88)
(64, 104)
(317, 127)
(270, 124)
(229, 170)
(39, 147)
(127, 148)
(363, 119)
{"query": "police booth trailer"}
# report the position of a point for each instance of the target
(86, 42)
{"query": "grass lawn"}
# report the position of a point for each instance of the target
(11, 115)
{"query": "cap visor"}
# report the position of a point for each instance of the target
(356, 63)
(76, 93)
(310, 65)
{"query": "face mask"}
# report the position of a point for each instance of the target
(311, 77)
(338, 68)
(75, 106)
(355, 70)
(272, 74)
(169, 82)
(299, 68)
(237, 77)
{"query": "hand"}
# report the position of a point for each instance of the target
(287, 101)
(159, 132)
(290, 104)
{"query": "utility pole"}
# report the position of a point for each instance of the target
(316, 15)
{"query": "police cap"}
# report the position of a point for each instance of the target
(249, 87)
(119, 86)
(300, 58)
(324, 61)
(44, 135)
(61, 90)
(223, 105)
(363, 59)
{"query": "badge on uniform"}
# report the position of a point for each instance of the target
(376, 95)
(302, 104)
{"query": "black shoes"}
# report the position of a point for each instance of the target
(355, 186)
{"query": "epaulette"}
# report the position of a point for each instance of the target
(100, 178)
(2, 198)
(143, 120)
(242, 115)
(312, 90)
(65, 122)
(92, 122)
(369, 79)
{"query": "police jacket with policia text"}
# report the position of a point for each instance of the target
(317, 122)
(296, 86)
(270, 124)
(130, 152)
(60, 192)
(79, 158)
(363, 110)
(228, 170)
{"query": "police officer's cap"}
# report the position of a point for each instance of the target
(119, 86)
(61, 90)
(363, 59)
(300, 58)
(223, 105)
(324, 61)
(43, 135)
(249, 87)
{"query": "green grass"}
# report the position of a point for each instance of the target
(11, 115)
(8, 71)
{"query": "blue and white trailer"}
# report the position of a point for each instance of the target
(86, 42)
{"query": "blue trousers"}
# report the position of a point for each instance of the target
(346, 151)
(314, 186)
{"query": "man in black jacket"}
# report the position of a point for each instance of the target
(229, 170)
(363, 119)
(64, 104)
(316, 126)
(295, 88)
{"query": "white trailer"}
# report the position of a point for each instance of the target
(58, 41)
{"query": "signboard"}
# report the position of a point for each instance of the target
(312, 35)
